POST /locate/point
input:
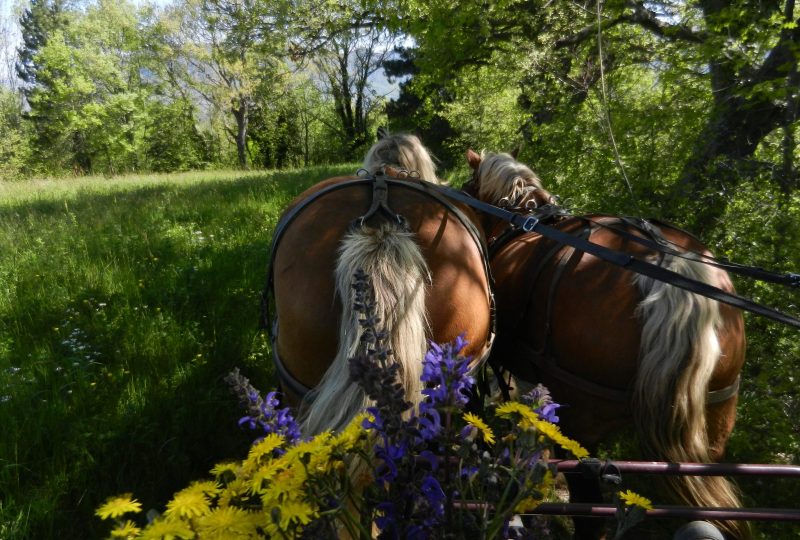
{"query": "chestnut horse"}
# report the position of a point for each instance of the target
(426, 261)
(613, 345)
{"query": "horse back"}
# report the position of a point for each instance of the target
(307, 307)
(561, 307)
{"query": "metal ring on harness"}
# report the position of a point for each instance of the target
(530, 223)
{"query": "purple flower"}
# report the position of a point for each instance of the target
(415, 532)
(539, 398)
(430, 458)
(433, 494)
(263, 414)
(375, 423)
(389, 454)
(548, 412)
(386, 517)
(444, 371)
(430, 422)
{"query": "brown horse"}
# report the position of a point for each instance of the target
(427, 265)
(613, 345)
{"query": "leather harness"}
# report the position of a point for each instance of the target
(543, 358)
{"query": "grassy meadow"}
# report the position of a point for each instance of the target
(125, 301)
(123, 304)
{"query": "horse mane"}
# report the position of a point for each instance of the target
(402, 151)
(503, 180)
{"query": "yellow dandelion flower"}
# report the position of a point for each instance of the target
(507, 410)
(223, 523)
(260, 478)
(322, 460)
(229, 468)
(297, 512)
(206, 487)
(119, 506)
(264, 447)
(351, 435)
(634, 499)
(573, 446)
(126, 530)
(163, 529)
(315, 445)
(287, 484)
(552, 432)
(288, 516)
(188, 503)
(477, 422)
(235, 490)
(537, 493)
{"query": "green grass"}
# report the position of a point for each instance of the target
(123, 304)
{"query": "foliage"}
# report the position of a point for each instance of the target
(439, 472)
(723, 67)
(225, 52)
(87, 104)
(15, 144)
(347, 63)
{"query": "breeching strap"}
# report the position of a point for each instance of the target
(624, 260)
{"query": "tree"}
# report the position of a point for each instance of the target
(14, 144)
(87, 102)
(348, 63)
(566, 55)
(38, 22)
(224, 51)
(419, 104)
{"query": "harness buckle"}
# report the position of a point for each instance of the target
(530, 223)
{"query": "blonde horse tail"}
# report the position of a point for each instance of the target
(678, 354)
(399, 274)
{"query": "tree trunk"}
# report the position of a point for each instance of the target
(240, 112)
(738, 122)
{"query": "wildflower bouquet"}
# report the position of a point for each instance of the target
(396, 471)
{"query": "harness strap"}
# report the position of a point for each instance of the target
(543, 357)
(285, 378)
(380, 203)
(790, 279)
(624, 260)
(724, 394)
(547, 364)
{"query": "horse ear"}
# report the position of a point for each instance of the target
(515, 152)
(473, 159)
(382, 133)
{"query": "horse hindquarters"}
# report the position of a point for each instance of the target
(399, 275)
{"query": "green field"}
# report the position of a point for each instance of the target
(125, 301)
(123, 304)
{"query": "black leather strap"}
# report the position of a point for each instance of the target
(624, 260)
(761, 274)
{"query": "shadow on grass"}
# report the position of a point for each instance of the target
(152, 412)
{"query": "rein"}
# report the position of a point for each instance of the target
(665, 246)
(533, 223)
